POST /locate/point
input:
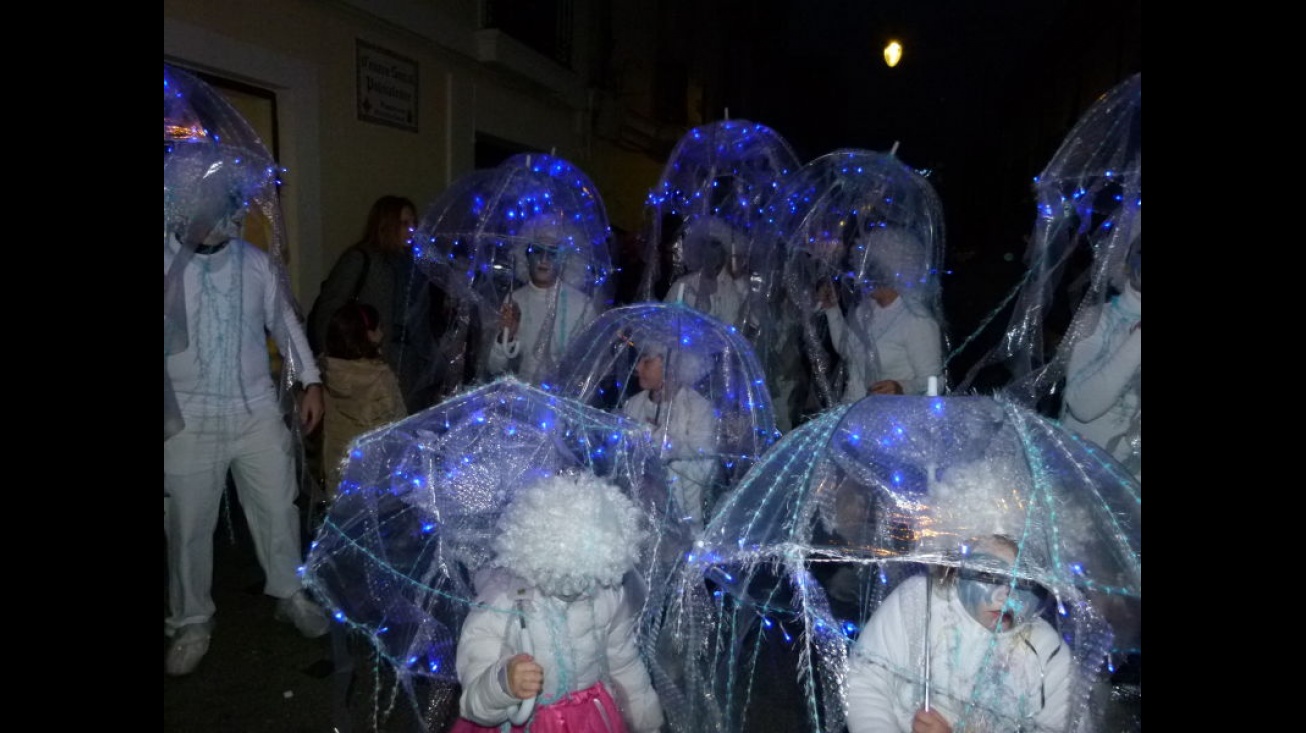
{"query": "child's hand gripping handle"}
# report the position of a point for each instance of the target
(524, 646)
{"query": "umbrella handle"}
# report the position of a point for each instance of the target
(929, 594)
(506, 300)
(526, 707)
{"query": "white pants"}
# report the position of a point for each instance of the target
(256, 447)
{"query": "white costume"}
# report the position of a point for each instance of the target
(224, 388)
(577, 642)
(904, 342)
(1103, 399)
(723, 304)
(1002, 681)
(525, 355)
(556, 589)
(686, 427)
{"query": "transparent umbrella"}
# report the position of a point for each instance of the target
(213, 163)
(872, 497)
(475, 239)
(707, 405)
(1088, 226)
(421, 499)
(722, 171)
(850, 221)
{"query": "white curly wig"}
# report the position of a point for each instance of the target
(681, 366)
(895, 257)
(975, 500)
(553, 230)
(569, 533)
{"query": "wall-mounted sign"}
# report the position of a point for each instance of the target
(387, 87)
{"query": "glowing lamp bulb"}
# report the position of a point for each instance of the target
(892, 53)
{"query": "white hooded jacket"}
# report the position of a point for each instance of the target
(906, 344)
(1024, 673)
(577, 642)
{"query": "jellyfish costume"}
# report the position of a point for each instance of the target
(692, 380)
(420, 519)
(868, 510)
(530, 234)
(1084, 282)
(703, 211)
(228, 407)
(864, 243)
(208, 145)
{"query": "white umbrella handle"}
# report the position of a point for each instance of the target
(506, 300)
(929, 592)
(525, 646)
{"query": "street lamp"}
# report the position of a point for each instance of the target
(892, 53)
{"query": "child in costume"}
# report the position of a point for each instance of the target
(553, 622)
(992, 659)
(683, 423)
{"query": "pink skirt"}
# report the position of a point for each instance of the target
(592, 710)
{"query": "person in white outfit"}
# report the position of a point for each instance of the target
(683, 423)
(553, 621)
(542, 317)
(1103, 399)
(222, 383)
(992, 659)
(892, 343)
(713, 254)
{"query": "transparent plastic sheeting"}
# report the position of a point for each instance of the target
(757, 629)
(852, 220)
(420, 500)
(473, 240)
(213, 163)
(1088, 223)
(712, 418)
(722, 173)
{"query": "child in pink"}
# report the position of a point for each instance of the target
(552, 621)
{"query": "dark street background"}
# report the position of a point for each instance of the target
(259, 675)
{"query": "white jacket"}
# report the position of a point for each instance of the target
(1103, 399)
(723, 304)
(577, 642)
(685, 428)
(1025, 672)
(905, 345)
(234, 300)
(572, 309)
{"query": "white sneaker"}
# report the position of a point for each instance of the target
(189, 645)
(306, 615)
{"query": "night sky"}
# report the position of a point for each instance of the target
(982, 99)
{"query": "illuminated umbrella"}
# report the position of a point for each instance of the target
(879, 492)
(211, 155)
(851, 219)
(420, 501)
(732, 423)
(724, 171)
(473, 240)
(1089, 215)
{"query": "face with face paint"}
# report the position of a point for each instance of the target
(992, 598)
(543, 263)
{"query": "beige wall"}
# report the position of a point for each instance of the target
(337, 165)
